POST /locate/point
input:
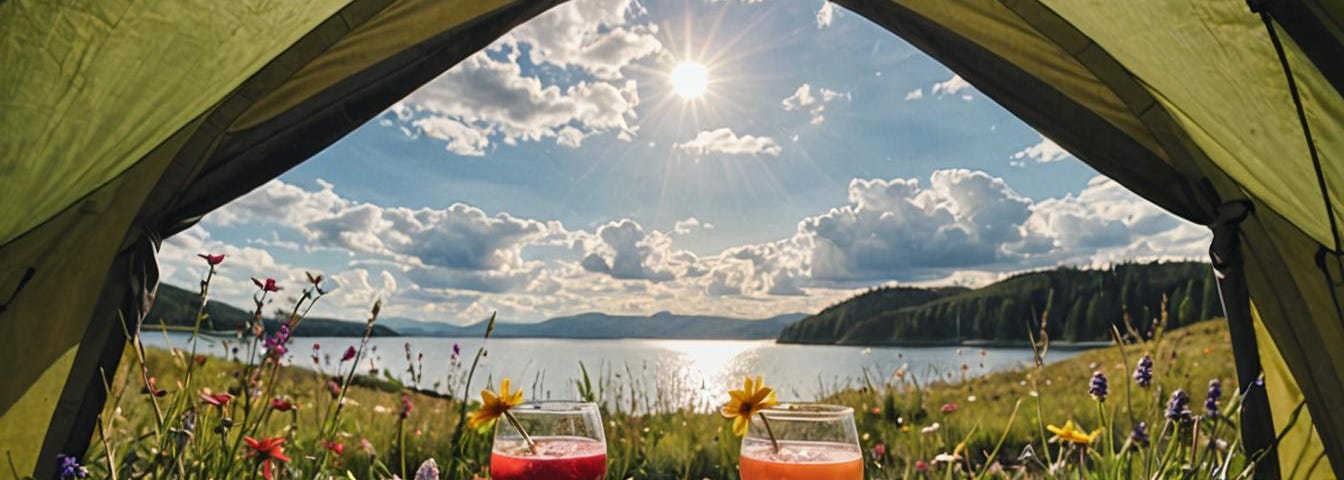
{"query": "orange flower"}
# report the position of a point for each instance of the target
(751, 399)
(267, 451)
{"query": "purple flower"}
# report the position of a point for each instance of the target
(1178, 408)
(406, 406)
(427, 471)
(1140, 434)
(69, 467)
(457, 349)
(349, 354)
(1215, 394)
(1098, 387)
(1143, 372)
(275, 344)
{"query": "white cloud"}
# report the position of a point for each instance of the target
(724, 141)
(952, 86)
(690, 225)
(825, 14)
(803, 99)
(462, 139)
(915, 94)
(591, 35)
(1045, 151)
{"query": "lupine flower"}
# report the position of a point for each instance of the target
(267, 451)
(1098, 387)
(1178, 408)
(349, 354)
(337, 448)
(212, 259)
(880, 451)
(1073, 434)
(406, 406)
(153, 388)
(69, 467)
(266, 286)
(1215, 394)
(742, 404)
(427, 471)
(282, 405)
(217, 399)
(1140, 434)
(1143, 372)
(950, 408)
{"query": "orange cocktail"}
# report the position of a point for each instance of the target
(801, 461)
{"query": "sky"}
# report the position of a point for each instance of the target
(742, 158)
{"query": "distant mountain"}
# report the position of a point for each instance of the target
(176, 307)
(1082, 306)
(600, 325)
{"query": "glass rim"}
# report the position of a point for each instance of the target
(808, 411)
(558, 407)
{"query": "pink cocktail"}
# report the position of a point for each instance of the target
(557, 458)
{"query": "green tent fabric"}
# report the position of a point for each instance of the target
(126, 121)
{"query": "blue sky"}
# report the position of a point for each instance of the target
(558, 172)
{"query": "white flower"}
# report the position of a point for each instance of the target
(947, 458)
(931, 428)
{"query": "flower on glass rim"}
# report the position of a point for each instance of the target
(282, 404)
(212, 259)
(1073, 434)
(750, 400)
(69, 467)
(494, 405)
(217, 399)
(266, 286)
(266, 451)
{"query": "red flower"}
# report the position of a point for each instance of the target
(267, 286)
(217, 399)
(199, 359)
(212, 259)
(267, 450)
(951, 407)
(349, 354)
(921, 466)
(880, 451)
(153, 389)
(336, 448)
(282, 405)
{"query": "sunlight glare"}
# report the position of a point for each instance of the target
(689, 80)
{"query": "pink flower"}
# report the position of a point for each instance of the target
(336, 448)
(950, 408)
(266, 286)
(217, 399)
(282, 405)
(406, 406)
(880, 451)
(212, 259)
(349, 354)
(334, 388)
(921, 466)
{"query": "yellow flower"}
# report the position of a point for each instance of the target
(751, 399)
(1073, 434)
(493, 406)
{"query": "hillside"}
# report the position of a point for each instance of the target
(1082, 306)
(600, 325)
(176, 307)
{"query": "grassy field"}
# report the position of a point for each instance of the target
(904, 423)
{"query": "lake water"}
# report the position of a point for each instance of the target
(646, 375)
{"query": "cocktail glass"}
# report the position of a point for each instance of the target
(568, 439)
(815, 442)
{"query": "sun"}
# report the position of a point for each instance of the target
(689, 80)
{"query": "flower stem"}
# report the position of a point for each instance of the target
(770, 432)
(519, 427)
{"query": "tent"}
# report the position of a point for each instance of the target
(124, 122)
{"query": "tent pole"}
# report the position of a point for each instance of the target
(126, 297)
(1257, 423)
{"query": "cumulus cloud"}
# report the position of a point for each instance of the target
(952, 86)
(591, 35)
(690, 225)
(1045, 151)
(915, 94)
(815, 105)
(462, 139)
(724, 141)
(626, 251)
(825, 14)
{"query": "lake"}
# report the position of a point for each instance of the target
(646, 375)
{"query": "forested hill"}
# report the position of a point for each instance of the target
(1082, 306)
(176, 307)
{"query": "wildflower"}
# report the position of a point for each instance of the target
(199, 359)
(457, 349)
(427, 471)
(1073, 434)
(1098, 387)
(921, 466)
(880, 451)
(217, 399)
(282, 405)
(1211, 402)
(267, 451)
(1140, 434)
(930, 429)
(876, 411)
(152, 388)
(750, 400)
(494, 405)
(337, 448)
(334, 388)
(950, 408)
(1143, 372)
(69, 467)
(266, 286)
(406, 405)
(275, 344)
(367, 447)
(212, 259)
(314, 279)
(1178, 408)
(349, 354)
